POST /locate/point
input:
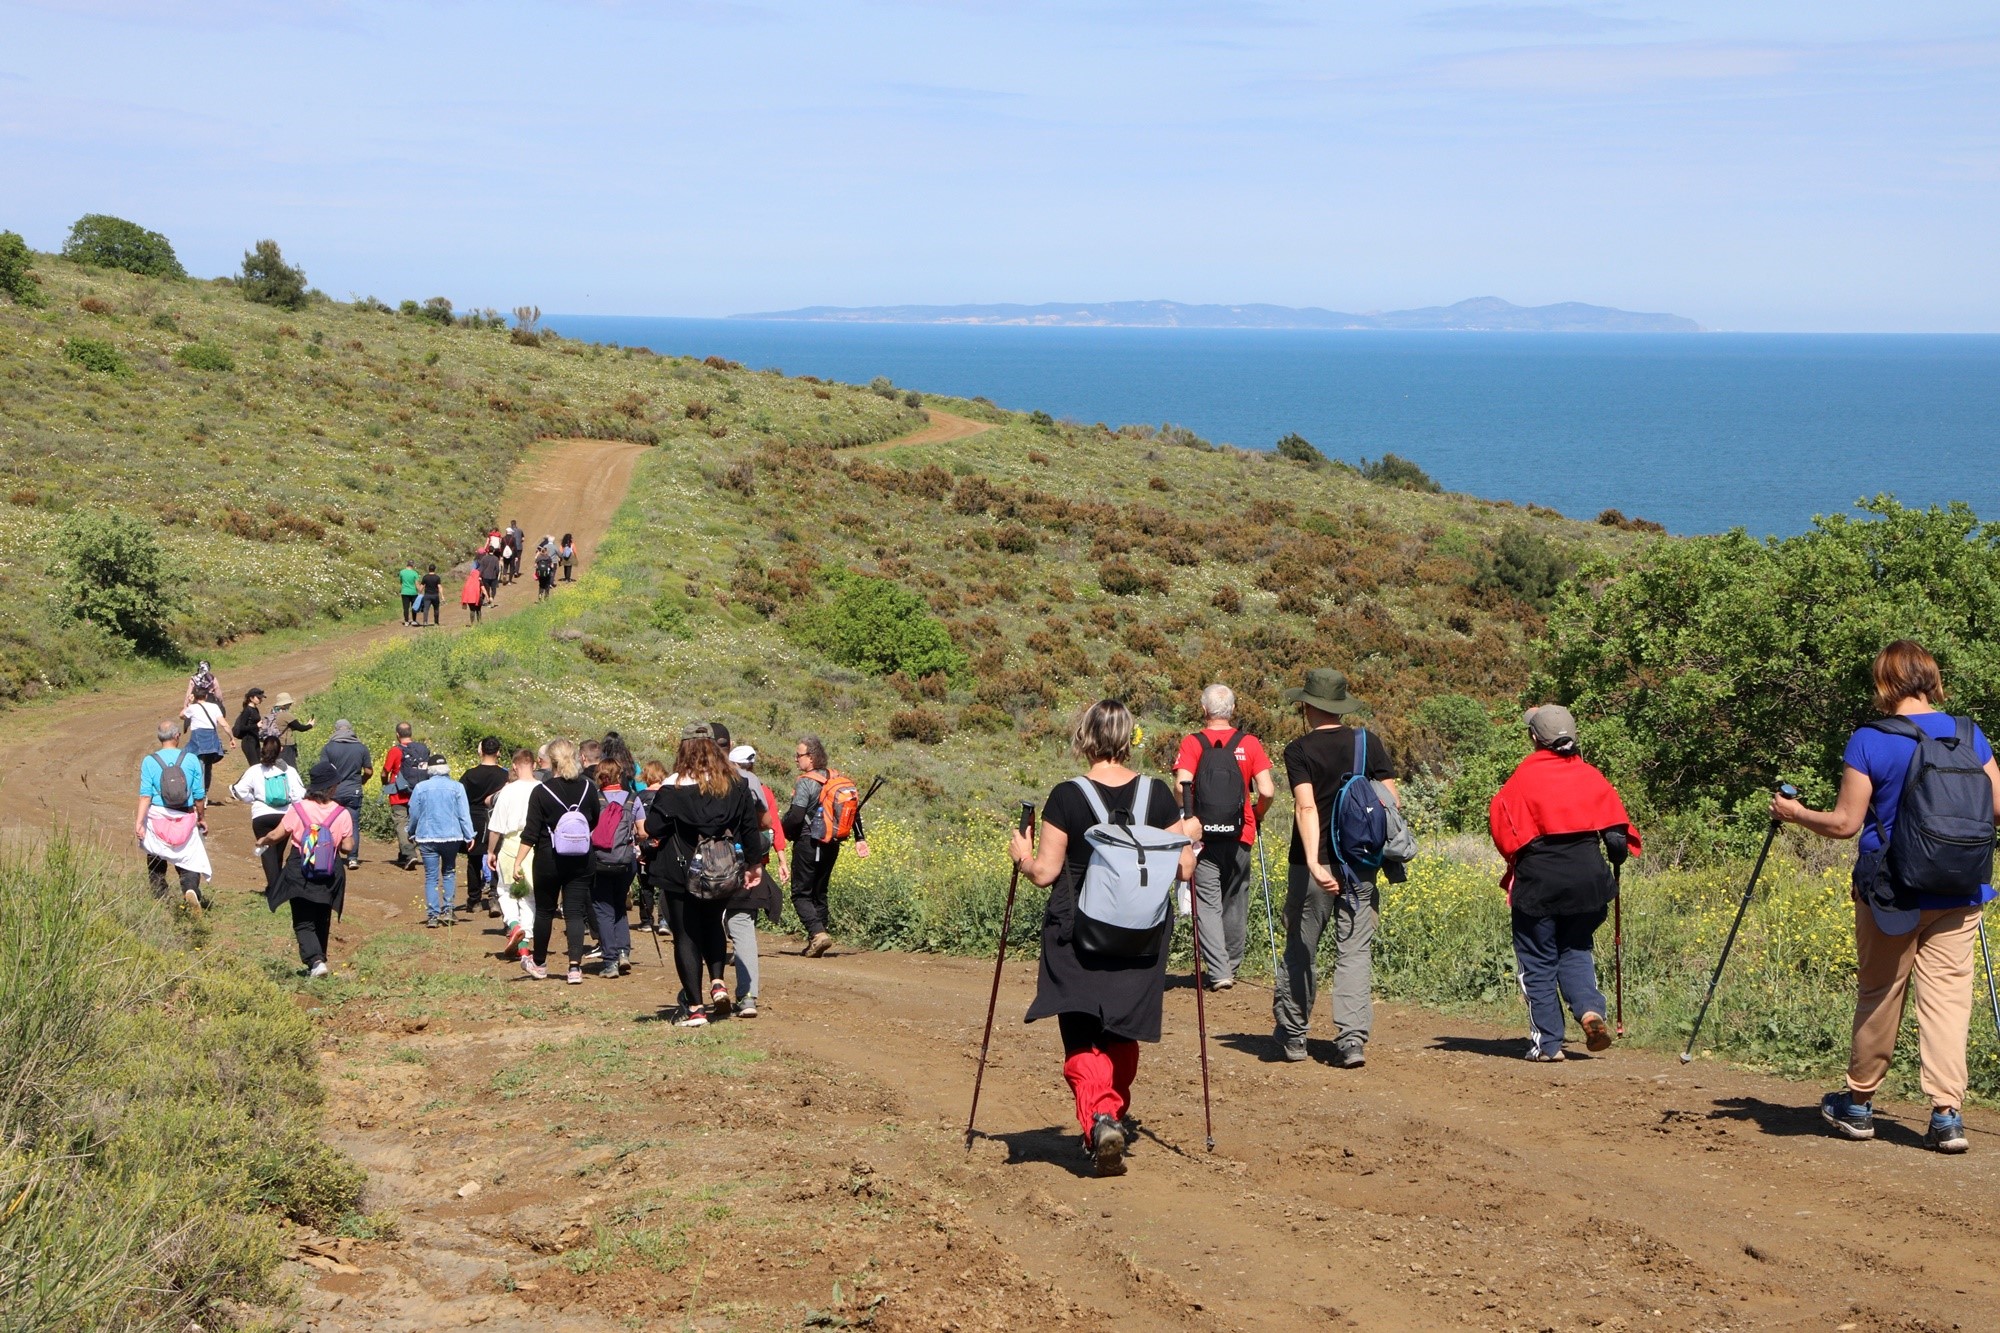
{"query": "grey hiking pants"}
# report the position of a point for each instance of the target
(742, 930)
(1222, 891)
(1309, 910)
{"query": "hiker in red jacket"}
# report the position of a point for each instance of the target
(1555, 820)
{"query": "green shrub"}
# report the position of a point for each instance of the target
(882, 387)
(913, 399)
(111, 571)
(94, 354)
(1393, 470)
(1300, 450)
(875, 625)
(1527, 565)
(17, 278)
(205, 355)
(269, 280)
(103, 241)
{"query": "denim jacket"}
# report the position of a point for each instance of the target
(439, 811)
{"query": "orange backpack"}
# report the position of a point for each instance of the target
(839, 804)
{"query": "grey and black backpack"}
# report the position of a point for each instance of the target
(1123, 903)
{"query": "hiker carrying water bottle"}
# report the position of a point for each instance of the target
(1559, 825)
(320, 832)
(825, 810)
(1921, 789)
(1101, 981)
(512, 873)
(561, 811)
(271, 786)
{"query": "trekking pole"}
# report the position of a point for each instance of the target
(1200, 999)
(1986, 955)
(1787, 790)
(993, 1000)
(1618, 939)
(1270, 921)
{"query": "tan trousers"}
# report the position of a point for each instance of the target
(1939, 953)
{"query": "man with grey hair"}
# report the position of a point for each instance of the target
(1232, 791)
(173, 803)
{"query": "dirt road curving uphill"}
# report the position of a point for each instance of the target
(943, 426)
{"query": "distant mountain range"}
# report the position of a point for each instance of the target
(1483, 314)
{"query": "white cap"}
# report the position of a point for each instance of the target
(743, 755)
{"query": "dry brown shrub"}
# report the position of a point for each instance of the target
(926, 726)
(697, 410)
(1227, 599)
(25, 496)
(822, 394)
(740, 476)
(633, 404)
(1158, 484)
(94, 305)
(720, 363)
(1038, 458)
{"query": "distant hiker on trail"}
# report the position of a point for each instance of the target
(482, 783)
(1231, 795)
(561, 813)
(271, 786)
(1555, 822)
(1104, 985)
(825, 811)
(513, 875)
(173, 805)
(489, 576)
(1322, 888)
(245, 729)
(739, 914)
(545, 570)
(614, 855)
(203, 724)
(441, 826)
(353, 765)
(1921, 789)
(282, 723)
(511, 542)
(566, 552)
(432, 596)
(473, 595)
(319, 831)
(403, 765)
(412, 585)
(702, 828)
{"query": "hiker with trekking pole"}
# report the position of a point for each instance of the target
(1113, 846)
(1920, 788)
(1230, 775)
(1561, 828)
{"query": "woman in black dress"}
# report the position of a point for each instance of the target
(1105, 1006)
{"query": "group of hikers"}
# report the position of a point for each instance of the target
(567, 832)
(495, 561)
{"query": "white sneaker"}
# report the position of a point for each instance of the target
(319, 969)
(748, 1008)
(693, 1018)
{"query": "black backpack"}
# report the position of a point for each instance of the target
(1943, 840)
(1219, 788)
(173, 782)
(416, 758)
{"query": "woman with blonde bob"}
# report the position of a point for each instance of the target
(1104, 1004)
(1898, 933)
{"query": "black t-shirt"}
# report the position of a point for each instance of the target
(1325, 758)
(481, 783)
(432, 585)
(489, 566)
(1069, 811)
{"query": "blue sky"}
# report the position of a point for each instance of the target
(1823, 165)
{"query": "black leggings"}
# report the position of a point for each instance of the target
(698, 939)
(566, 879)
(313, 924)
(812, 871)
(272, 857)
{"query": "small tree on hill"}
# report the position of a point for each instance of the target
(269, 280)
(1392, 470)
(17, 279)
(1300, 450)
(115, 575)
(103, 241)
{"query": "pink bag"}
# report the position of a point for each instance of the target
(172, 827)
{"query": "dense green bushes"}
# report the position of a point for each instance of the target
(875, 625)
(111, 572)
(269, 280)
(1393, 470)
(158, 1111)
(94, 354)
(17, 278)
(102, 241)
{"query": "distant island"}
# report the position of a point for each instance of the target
(1481, 314)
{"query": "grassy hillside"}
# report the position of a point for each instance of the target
(290, 459)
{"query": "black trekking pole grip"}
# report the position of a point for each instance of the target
(993, 999)
(1789, 792)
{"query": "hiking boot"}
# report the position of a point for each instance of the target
(1107, 1144)
(691, 1018)
(318, 969)
(1947, 1132)
(624, 962)
(609, 970)
(1596, 1035)
(575, 974)
(818, 944)
(1294, 1048)
(747, 1008)
(534, 969)
(1349, 1055)
(1851, 1119)
(431, 923)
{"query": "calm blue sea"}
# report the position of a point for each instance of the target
(1701, 432)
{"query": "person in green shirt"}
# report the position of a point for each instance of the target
(409, 576)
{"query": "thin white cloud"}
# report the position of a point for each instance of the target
(1610, 68)
(1551, 20)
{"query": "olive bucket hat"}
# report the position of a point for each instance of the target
(1326, 690)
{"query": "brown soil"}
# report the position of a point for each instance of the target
(806, 1169)
(943, 426)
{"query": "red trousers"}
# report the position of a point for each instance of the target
(1099, 1068)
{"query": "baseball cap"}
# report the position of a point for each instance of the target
(1549, 724)
(697, 731)
(743, 755)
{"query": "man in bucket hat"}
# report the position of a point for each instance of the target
(1319, 891)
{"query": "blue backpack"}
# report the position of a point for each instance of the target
(1358, 829)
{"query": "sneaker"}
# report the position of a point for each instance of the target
(1947, 1132)
(624, 962)
(1107, 1144)
(534, 969)
(818, 944)
(610, 969)
(1596, 1034)
(1294, 1048)
(718, 999)
(594, 956)
(1349, 1055)
(354, 863)
(192, 898)
(661, 929)
(1851, 1119)
(432, 923)
(691, 1018)
(1539, 1057)
(514, 937)
(318, 969)
(747, 1008)
(575, 975)
(1226, 983)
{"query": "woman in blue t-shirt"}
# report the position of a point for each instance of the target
(1893, 940)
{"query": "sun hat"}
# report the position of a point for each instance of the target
(697, 731)
(1326, 690)
(743, 756)
(1550, 725)
(323, 776)
(283, 700)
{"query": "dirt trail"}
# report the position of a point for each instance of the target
(943, 426)
(1447, 1184)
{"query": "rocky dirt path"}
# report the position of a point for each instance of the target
(943, 426)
